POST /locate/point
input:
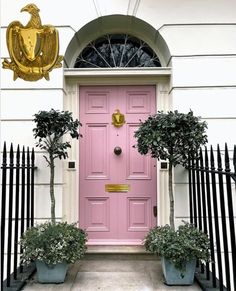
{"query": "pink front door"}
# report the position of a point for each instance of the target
(117, 192)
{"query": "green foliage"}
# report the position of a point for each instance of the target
(179, 246)
(53, 243)
(51, 126)
(171, 136)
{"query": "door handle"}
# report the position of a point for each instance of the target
(117, 151)
(155, 211)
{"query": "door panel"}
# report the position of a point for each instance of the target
(97, 164)
(115, 217)
(138, 166)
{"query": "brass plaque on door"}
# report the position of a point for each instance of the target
(117, 188)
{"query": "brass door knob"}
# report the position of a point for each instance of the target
(117, 151)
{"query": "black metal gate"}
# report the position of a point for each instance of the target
(212, 200)
(17, 213)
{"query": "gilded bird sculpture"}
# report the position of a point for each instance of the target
(33, 48)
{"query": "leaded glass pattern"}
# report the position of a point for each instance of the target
(117, 50)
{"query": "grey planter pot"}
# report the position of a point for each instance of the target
(174, 276)
(51, 274)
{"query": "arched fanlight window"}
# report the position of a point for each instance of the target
(117, 50)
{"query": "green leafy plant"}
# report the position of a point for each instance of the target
(51, 127)
(171, 136)
(180, 246)
(53, 243)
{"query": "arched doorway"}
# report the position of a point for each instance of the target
(117, 24)
(92, 91)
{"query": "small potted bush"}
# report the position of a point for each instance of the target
(53, 245)
(179, 249)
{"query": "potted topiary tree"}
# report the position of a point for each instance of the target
(171, 136)
(51, 127)
(53, 245)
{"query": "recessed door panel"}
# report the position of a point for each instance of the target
(138, 166)
(97, 163)
(97, 214)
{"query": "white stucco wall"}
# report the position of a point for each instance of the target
(201, 37)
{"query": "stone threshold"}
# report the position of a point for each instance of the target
(118, 253)
(113, 249)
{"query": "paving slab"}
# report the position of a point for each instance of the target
(112, 272)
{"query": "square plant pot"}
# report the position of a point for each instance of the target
(51, 273)
(174, 276)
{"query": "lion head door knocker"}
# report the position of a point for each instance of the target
(118, 119)
(33, 48)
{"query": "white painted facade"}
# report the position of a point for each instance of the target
(196, 43)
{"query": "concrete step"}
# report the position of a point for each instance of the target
(118, 253)
(116, 249)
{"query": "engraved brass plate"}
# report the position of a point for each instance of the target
(117, 188)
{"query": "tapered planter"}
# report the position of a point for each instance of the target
(174, 276)
(51, 273)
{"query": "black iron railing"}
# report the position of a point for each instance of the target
(17, 213)
(211, 190)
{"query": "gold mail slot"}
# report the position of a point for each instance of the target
(117, 187)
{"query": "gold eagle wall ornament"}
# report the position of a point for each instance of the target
(33, 49)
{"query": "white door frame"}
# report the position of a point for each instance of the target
(144, 76)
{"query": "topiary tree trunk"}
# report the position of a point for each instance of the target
(171, 196)
(52, 194)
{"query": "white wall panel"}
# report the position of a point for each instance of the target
(42, 201)
(79, 12)
(10, 11)
(180, 174)
(108, 7)
(56, 80)
(185, 11)
(42, 171)
(211, 102)
(204, 71)
(3, 44)
(221, 131)
(73, 12)
(65, 36)
(17, 132)
(181, 200)
(23, 104)
(200, 39)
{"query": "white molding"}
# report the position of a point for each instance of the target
(102, 72)
(74, 79)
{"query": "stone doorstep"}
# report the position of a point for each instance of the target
(115, 249)
(119, 252)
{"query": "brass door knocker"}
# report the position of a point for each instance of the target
(118, 119)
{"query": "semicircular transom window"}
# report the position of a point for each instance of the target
(117, 50)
